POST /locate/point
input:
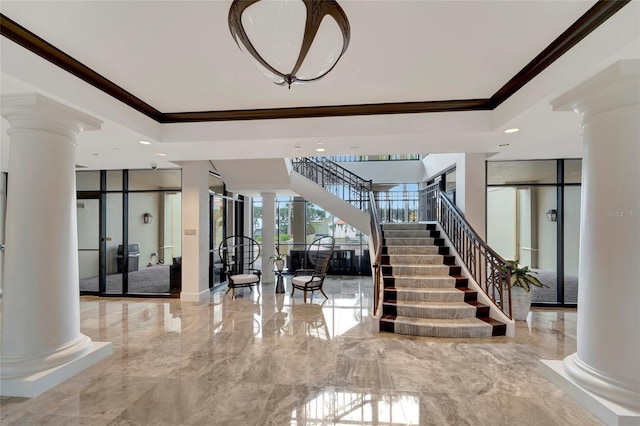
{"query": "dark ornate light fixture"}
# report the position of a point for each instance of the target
(280, 28)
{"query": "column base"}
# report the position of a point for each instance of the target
(37, 383)
(608, 411)
(201, 297)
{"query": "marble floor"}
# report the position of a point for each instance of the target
(272, 360)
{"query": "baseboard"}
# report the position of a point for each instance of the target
(201, 297)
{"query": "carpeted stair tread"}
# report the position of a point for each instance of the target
(435, 305)
(406, 226)
(426, 249)
(415, 259)
(455, 328)
(409, 241)
(438, 294)
(426, 282)
(432, 310)
(405, 233)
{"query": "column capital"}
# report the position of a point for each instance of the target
(33, 111)
(615, 87)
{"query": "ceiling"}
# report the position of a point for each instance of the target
(179, 57)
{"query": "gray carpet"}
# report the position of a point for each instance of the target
(549, 294)
(153, 279)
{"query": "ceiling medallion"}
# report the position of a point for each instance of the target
(290, 40)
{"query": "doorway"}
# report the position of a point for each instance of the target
(88, 216)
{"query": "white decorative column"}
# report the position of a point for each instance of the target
(41, 340)
(195, 231)
(604, 373)
(268, 234)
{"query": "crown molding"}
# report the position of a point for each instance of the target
(588, 22)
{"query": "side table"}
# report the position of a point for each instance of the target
(280, 280)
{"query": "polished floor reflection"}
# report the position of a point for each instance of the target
(271, 360)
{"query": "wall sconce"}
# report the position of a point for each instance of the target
(147, 217)
(552, 215)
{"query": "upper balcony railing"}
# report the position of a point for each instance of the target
(387, 157)
(335, 179)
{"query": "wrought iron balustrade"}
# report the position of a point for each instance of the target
(487, 268)
(335, 179)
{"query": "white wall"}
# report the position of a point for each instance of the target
(501, 221)
(4, 146)
(470, 183)
(405, 171)
(145, 235)
(571, 229)
(547, 240)
(114, 230)
(195, 230)
(3, 204)
(170, 227)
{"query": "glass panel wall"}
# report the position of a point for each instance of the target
(216, 237)
(572, 201)
(114, 239)
(88, 216)
(142, 217)
(397, 203)
(521, 172)
(525, 222)
(152, 244)
(299, 223)
(88, 181)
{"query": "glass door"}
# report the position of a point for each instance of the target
(88, 219)
(216, 235)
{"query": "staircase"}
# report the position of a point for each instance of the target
(425, 293)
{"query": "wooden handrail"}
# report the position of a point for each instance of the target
(376, 233)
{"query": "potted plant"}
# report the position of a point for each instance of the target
(520, 283)
(278, 259)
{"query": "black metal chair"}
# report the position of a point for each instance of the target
(318, 257)
(239, 254)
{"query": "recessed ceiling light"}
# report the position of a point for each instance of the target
(161, 154)
(504, 144)
(320, 149)
(95, 154)
(512, 130)
(144, 142)
(354, 147)
(297, 147)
